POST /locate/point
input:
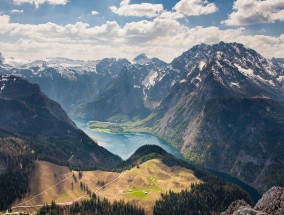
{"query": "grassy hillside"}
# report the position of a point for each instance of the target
(32, 126)
(144, 180)
(153, 177)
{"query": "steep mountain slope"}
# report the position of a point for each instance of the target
(232, 72)
(125, 97)
(34, 127)
(278, 61)
(66, 81)
(241, 136)
(30, 115)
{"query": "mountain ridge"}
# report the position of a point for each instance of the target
(221, 76)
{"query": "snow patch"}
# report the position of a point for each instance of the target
(280, 78)
(150, 79)
(246, 72)
(201, 65)
(249, 73)
(234, 84)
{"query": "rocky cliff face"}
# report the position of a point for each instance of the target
(226, 112)
(126, 96)
(272, 203)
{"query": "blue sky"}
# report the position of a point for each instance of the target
(94, 29)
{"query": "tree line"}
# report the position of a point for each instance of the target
(94, 206)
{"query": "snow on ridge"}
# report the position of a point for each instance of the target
(249, 73)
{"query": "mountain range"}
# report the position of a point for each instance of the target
(38, 141)
(221, 105)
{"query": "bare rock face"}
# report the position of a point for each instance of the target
(241, 207)
(272, 203)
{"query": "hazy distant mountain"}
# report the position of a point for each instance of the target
(143, 59)
(126, 96)
(67, 81)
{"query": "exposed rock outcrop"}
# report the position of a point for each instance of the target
(272, 203)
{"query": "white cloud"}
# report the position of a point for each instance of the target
(139, 10)
(195, 7)
(37, 3)
(256, 11)
(162, 37)
(4, 20)
(171, 15)
(17, 11)
(95, 13)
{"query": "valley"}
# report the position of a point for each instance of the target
(121, 141)
(153, 131)
(134, 107)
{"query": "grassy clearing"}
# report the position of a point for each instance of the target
(152, 180)
(137, 126)
(141, 186)
(105, 130)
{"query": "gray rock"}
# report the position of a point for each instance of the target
(241, 207)
(272, 201)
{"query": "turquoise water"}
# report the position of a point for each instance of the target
(124, 145)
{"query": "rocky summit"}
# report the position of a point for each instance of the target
(272, 203)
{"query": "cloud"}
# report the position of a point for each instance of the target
(37, 3)
(255, 11)
(195, 7)
(161, 37)
(171, 15)
(139, 10)
(17, 11)
(95, 13)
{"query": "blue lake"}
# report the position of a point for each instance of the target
(124, 145)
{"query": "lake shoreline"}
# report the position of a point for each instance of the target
(130, 138)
